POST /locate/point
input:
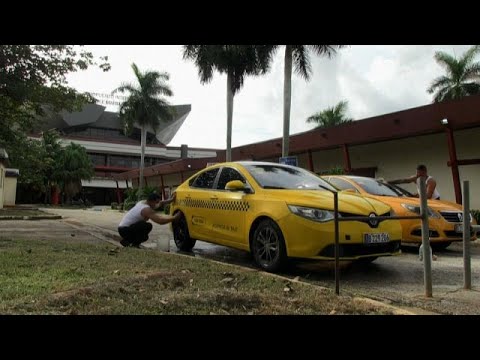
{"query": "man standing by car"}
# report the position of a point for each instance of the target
(134, 227)
(432, 192)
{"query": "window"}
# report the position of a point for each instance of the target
(341, 184)
(229, 174)
(286, 177)
(206, 179)
(98, 159)
(374, 187)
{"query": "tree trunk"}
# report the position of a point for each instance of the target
(287, 99)
(229, 117)
(48, 193)
(142, 159)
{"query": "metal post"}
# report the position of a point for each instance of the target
(337, 250)
(467, 271)
(427, 259)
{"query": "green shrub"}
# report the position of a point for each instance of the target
(476, 215)
(336, 170)
(128, 204)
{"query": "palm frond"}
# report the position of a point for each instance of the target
(331, 116)
(301, 61)
(439, 82)
(469, 55)
(455, 84)
(472, 72)
(125, 87)
(328, 50)
(447, 61)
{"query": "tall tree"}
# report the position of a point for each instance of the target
(298, 55)
(74, 165)
(52, 154)
(331, 116)
(237, 61)
(462, 76)
(145, 106)
(33, 77)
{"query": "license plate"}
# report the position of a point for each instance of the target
(459, 228)
(377, 238)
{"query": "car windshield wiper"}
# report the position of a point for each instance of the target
(273, 187)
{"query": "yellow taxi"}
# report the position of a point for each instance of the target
(278, 212)
(445, 218)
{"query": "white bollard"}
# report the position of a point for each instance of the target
(420, 253)
(163, 244)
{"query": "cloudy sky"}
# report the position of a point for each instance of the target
(374, 79)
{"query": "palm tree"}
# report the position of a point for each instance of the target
(462, 78)
(145, 106)
(331, 116)
(237, 61)
(298, 54)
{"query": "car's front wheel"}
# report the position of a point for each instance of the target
(268, 246)
(366, 260)
(181, 235)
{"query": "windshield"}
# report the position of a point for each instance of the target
(400, 190)
(286, 177)
(375, 187)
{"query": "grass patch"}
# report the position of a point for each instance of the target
(65, 277)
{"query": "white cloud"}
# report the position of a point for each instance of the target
(374, 79)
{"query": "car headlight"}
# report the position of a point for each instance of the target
(416, 209)
(312, 213)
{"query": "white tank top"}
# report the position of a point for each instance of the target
(435, 195)
(134, 215)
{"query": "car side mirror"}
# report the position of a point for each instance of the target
(236, 185)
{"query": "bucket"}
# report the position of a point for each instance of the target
(163, 243)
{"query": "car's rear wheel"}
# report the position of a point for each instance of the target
(268, 246)
(181, 235)
(441, 245)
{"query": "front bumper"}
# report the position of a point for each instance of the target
(313, 240)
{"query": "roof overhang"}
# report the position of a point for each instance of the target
(461, 114)
(173, 167)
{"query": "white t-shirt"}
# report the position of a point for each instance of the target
(435, 195)
(134, 215)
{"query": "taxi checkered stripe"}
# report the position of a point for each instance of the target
(233, 205)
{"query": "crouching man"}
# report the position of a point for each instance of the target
(134, 227)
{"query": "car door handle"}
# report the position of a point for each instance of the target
(214, 197)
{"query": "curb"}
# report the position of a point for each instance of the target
(33, 217)
(394, 309)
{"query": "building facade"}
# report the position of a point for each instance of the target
(443, 136)
(112, 151)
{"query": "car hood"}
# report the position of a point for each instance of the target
(436, 205)
(348, 203)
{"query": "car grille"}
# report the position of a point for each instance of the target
(344, 214)
(452, 216)
(350, 250)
